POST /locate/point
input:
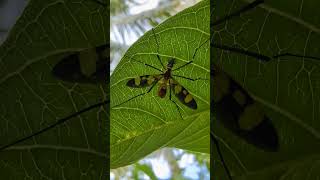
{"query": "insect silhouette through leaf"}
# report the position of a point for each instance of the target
(233, 106)
(72, 69)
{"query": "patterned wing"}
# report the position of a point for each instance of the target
(182, 94)
(143, 81)
(239, 113)
(86, 66)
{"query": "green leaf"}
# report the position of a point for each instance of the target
(287, 87)
(32, 99)
(146, 169)
(306, 168)
(148, 123)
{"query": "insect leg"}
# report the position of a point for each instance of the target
(193, 56)
(238, 12)
(242, 51)
(191, 79)
(158, 57)
(260, 56)
(215, 141)
(234, 14)
(137, 95)
(170, 97)
(100, 3)
(296, 55)
(55, 124)
(148, 65)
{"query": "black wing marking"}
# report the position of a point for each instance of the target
(183, 94)
(238, 112)
(143, 81)
(74, 68)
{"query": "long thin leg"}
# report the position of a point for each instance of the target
(193, 56)
(137, 95)
(296, 55)
(182, 65)
(155, 37)
(148, 65)
(55, 124)
(100, 3)
(260, 56)
(190, 78)
(242, 51)
(215, 141)
(174, 101)
(238, 12)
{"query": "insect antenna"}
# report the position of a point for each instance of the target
(55, 124)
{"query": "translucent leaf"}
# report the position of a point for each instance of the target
(148, 123)
(287, 87)
(32, 98)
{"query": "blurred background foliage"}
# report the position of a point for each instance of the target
(130, 19)
(167, 163)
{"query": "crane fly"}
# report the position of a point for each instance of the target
(166, 81)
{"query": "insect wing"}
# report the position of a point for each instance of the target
(86, 66)
(143, 81)
(183, 94)
(238, 112)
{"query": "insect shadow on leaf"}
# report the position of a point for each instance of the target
(69, 70)
(232, 104)
(88, 66)
(165, 80)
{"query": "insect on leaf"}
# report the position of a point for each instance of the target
(149, 122)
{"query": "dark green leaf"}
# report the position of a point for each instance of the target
(288, 87)
(32, 98)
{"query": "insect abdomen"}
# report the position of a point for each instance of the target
(162, 91)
